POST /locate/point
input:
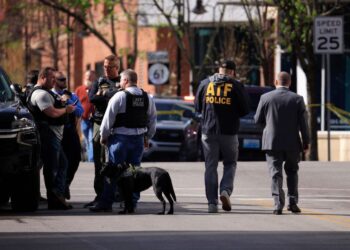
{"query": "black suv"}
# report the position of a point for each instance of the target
(177, 131)
(250, 134)
(19, 151)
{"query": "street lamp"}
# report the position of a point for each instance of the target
(199, 8)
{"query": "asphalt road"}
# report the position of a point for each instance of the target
(323, 224)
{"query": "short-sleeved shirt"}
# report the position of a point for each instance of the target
(43, 100)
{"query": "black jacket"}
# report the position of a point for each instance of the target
(101, 101)
(221, 101)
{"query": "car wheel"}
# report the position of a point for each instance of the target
(26, 192)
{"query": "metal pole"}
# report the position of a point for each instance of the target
(323, 87)
(328, 111)
(179, 52)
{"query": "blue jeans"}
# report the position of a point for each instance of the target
(122, 148)
(87, 129)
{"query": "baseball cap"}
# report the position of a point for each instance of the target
(228, 64)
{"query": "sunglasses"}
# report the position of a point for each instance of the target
(61, 79)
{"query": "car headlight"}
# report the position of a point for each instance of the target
(191, 133)
(23, 123)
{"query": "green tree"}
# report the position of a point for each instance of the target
(262, 34)
(296, 36)
(81, 12)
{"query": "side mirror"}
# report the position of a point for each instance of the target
(17, 88)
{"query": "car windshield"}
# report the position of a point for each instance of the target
(6, 93)
(172, 111)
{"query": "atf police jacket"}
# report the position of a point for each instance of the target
(221, 101)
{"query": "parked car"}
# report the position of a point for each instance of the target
(19, 151)
(250, 134)
(176, 136)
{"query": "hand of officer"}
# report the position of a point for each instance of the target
(306, 148)
(70, 108)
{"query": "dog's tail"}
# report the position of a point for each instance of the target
(172, 192)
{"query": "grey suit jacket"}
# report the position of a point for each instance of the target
(283, 115)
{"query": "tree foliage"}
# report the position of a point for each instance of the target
(81, 12)
(262, 34)
(296, 35)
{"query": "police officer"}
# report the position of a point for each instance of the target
(130, 115)
(70, 141)
(221, 101)
(100, 93)
(50, 114)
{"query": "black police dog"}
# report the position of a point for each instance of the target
(131, 179)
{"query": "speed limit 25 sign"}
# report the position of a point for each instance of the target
(328, 35)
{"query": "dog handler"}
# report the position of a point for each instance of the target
(129, 117)
(221, 101)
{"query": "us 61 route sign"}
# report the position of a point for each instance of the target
(328, 35)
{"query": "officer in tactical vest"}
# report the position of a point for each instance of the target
(221, 101)
(100, 93)
(130, 116)
(50, 114)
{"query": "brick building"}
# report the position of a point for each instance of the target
(85, 51)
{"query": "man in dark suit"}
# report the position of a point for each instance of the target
(283, 115)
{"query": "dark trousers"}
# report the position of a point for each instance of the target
(275, 161)
(99, 158)
(72, 149)
(54, 162)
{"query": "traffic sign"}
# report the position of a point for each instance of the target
(328, 35)
(158, 73)
(158, 67)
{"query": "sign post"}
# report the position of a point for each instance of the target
(328, 39)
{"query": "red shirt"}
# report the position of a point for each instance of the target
(82, 93)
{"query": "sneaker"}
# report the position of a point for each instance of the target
(225, 200)
(212, 208)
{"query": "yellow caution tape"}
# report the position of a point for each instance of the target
(340, 113)
(170, 112)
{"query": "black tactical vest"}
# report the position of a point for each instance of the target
(135, 115)
(40, 116)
